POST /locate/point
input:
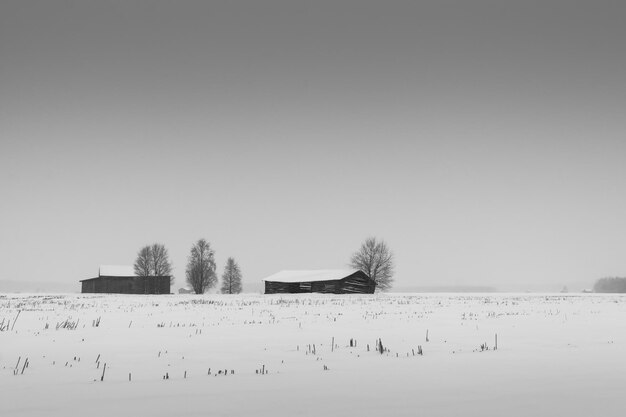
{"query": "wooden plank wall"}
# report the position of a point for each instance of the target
(127, 285)
(357, 283)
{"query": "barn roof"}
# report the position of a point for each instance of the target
(116, 271)
(311, 276)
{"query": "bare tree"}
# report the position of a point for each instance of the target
(160, 260)
(231, 280)
(376, 260)
(153, 261)
(201, 267)
(143, 262)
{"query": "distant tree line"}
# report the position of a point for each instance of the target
(610, 284)
(153, 260)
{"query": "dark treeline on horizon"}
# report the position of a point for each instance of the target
(610, 285)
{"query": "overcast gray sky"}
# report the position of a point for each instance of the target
(483, 140)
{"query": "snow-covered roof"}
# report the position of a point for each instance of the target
(116, 271)
(311, 276)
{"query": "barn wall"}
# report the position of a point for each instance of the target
(88, 286)
(151, 285)
(116, 285)
(357, 283)
(127, 285)
(272, 287)
(326, 287)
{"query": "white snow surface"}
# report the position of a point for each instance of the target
(310, 276)
(116, 271)
(558, 355)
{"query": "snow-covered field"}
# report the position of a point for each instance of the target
(557, 355)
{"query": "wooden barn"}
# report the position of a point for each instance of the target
(122, 280)
(351, 281)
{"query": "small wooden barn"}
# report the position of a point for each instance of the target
(115, 279)
(333, 281)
